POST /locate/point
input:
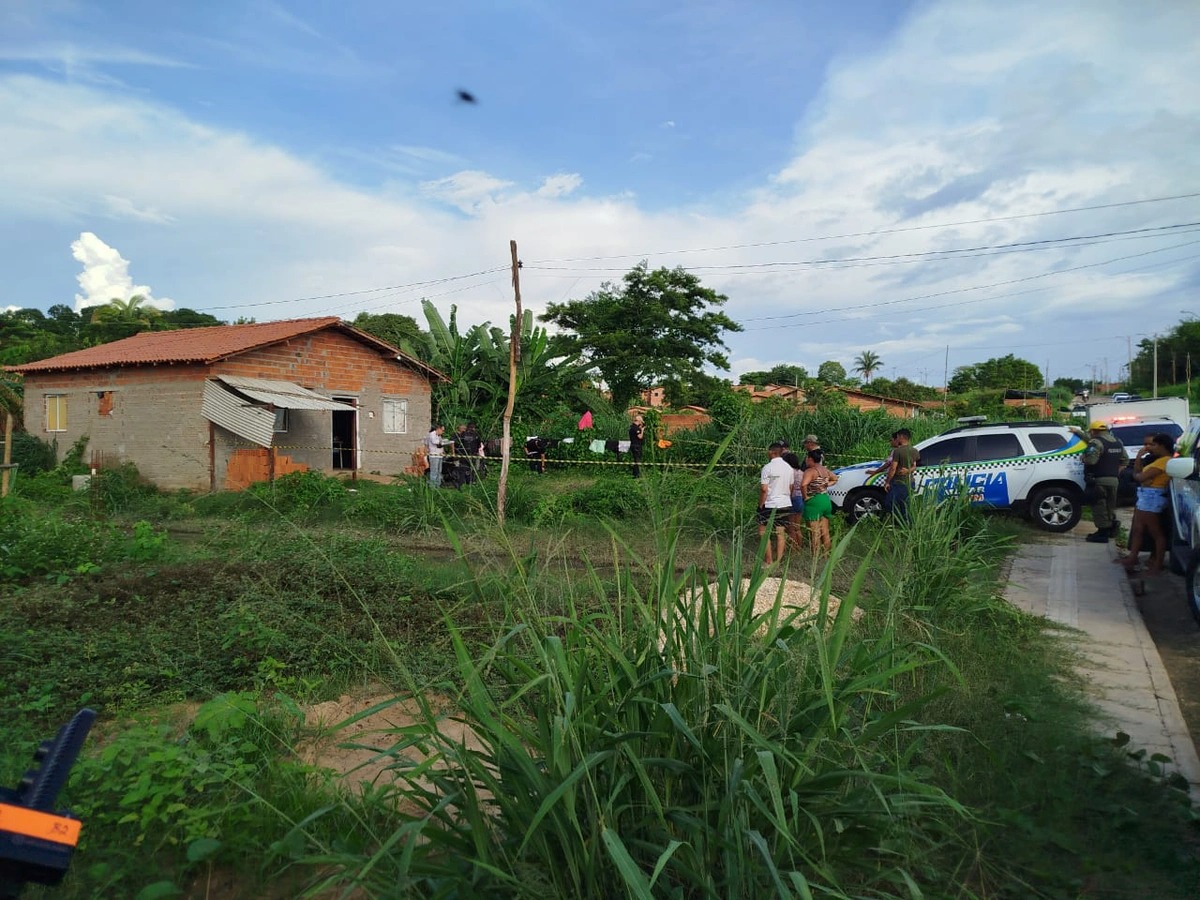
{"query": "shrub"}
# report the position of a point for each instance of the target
(299, 492)
(33, 454)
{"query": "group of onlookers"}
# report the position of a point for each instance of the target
(794, 491)
(1103, 461)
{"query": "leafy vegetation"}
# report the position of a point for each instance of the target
(656, 325)
(626, 740)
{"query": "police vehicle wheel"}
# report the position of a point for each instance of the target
(1193, 586)
(863, 504)
(1055, 509)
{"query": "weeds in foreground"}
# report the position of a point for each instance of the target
(681, 743)
(940, 748)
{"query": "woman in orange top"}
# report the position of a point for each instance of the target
(1152, 479)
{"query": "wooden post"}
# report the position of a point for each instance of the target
(514, 356)
(8, 426)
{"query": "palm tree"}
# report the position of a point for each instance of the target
(867, 364)
(119, 318)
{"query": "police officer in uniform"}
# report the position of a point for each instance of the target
(1102, 463)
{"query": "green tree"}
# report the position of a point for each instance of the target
(398, 330)
(477, 363)
(27, 335)
(656, 326)
(867, 364)
(697, 390)
(186, 318)
(997, 374)
(1072, 385)
(119, 318)
(831, 372)
(781, 374)
(1178, 354)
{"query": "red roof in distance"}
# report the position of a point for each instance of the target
(205, 346)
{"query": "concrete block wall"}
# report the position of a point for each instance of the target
(152, 419)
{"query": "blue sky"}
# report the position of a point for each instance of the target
(828, 166)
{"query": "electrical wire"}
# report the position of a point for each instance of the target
(394, 287)
(1086, 240)
(978, 287)
(876, 233)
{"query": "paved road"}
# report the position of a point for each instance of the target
(1075, 583)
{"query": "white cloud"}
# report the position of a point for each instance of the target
(124, 208)
(105, 276)
(970, 111)
(559, 185)
(468, 190)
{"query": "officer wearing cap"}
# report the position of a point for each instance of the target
(1102, 462)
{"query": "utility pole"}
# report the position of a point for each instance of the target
(514, 357)
(1155, 394)
(946, 382)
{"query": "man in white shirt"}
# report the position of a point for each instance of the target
(433, 449)
(775, 501)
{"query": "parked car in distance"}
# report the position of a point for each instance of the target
(1119, 397)
(1035, 468)
(1184, 510)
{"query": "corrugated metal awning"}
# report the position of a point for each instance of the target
(282, 394)
(247, 420)
(240, 405)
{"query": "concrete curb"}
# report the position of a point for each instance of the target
(1069, 581)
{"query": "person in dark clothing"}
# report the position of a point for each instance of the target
(637, 442)
(469, 447)
(1102, 463)
(535, 451)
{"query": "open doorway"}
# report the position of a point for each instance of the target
(345, 435)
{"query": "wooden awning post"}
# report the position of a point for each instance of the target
(8, 428)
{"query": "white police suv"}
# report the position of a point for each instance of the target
(1035, 468)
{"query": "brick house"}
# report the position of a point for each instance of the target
(893, 406)
(222, 407)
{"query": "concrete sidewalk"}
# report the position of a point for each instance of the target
(1069, 581)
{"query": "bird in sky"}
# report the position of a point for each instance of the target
(466, 97)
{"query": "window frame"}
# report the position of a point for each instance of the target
(61, 418)
(283, 420)
(396, 404)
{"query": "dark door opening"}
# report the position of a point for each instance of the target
(345, 436)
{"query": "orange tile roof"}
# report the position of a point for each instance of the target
(203, 345)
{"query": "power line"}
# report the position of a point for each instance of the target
(876, 233)
(1085, 240)
(978, 287)
(394, 287)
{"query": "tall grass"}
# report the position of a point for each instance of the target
(660, 745)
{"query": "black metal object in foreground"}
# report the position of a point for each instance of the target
(36, 843)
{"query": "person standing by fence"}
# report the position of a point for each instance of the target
(637, 443)
(434, 442)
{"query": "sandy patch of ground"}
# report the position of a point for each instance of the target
(354, 750)
(796, 595)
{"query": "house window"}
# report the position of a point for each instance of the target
(104, 403)
(281, 421)
(56, 412)
(395, 417)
